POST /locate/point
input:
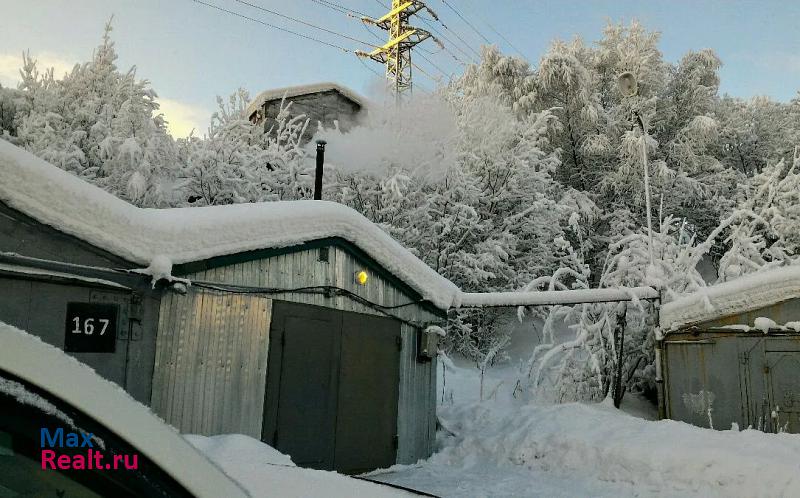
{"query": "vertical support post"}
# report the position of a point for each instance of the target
(619, 337)
(646, 188)
(659, 360)
(318, 175)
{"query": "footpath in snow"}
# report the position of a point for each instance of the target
(504, 448)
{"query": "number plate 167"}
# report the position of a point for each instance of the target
(91, 328)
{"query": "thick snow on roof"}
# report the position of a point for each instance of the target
(69, 204)
(743, 294)
(295, 91)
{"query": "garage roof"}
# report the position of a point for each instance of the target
(181, 235)
(744, 294)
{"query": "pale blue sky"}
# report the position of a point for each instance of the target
(192, 53)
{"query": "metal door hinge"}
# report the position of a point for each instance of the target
(399, 341)
(395, 441)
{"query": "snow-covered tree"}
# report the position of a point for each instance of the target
(611, 341)
(567, 85)
(238, 162)
(101, 124)
(755, 132)
(764, 229)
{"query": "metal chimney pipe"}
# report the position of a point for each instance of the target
(318, 176)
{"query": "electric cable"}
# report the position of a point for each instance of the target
(466, 21)
(300, 21)
(336, 6)
(326, 290)
(498, 33)
(295, 33)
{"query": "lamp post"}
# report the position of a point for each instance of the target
(628, 87)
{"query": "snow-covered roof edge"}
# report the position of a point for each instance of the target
(741, 295)
(61, 200)
(297, 90)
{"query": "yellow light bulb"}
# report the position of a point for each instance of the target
(361, 277)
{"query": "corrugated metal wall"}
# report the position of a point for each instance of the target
(417, 402)
(416, 420)
(211, 362)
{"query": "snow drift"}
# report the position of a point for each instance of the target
(508, 447)
(664, 457)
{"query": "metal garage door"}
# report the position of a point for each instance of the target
(332, 387)
(784, 390)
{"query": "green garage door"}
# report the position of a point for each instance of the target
(332, 387)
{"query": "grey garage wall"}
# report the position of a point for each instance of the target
(38, 305)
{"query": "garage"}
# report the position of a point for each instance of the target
(300, 323)
(730, 355)
(316, 349)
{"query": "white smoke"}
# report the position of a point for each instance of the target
(418, 137)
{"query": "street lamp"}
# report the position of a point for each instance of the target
(629, 87)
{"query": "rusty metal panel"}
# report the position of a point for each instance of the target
(211, 355)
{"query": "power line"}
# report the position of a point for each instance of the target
(445, 26)
(337, 9)
(433, 78)
(295, 33)
(376, 73)
(343, 49)
(340, 8)
(441, 36)
(466, 21)
(374, 35)
(434, 65)
(300, 21)
(498, 33)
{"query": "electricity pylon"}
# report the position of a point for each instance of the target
(396, 53)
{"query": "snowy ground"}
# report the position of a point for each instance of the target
(504, 448)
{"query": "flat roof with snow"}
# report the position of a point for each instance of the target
(744, 294)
